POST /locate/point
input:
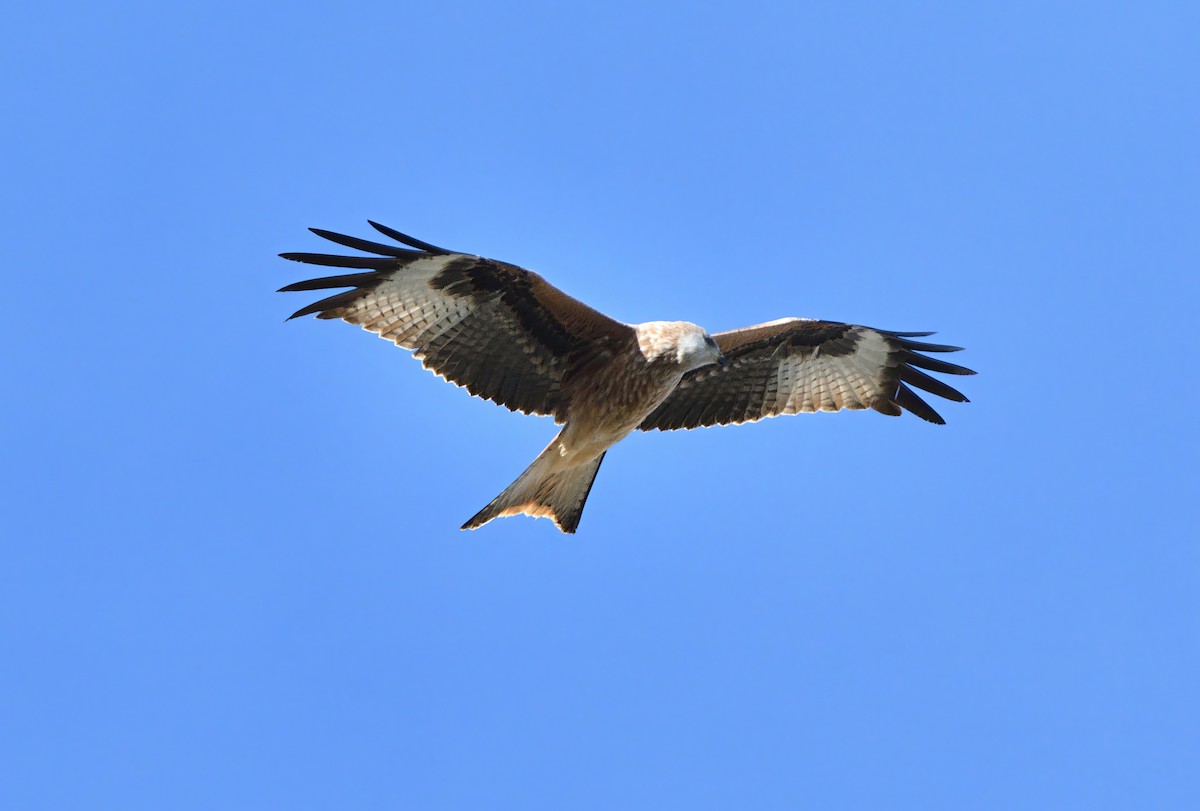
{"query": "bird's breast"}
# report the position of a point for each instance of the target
(613, 401)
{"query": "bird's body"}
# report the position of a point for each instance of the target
(606, 404)
(509, 336)
(615, 396)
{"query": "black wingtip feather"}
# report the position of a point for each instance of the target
(933, 364)
(364, 244)
(932, 385)
(333, 302)
(405, 239)
(333, 260)
(332, 282)
(909, 401)
(918, 346)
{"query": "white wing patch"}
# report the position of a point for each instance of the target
(825, 383)
(405, 307)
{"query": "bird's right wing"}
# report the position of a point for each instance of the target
(798, 365)
(502, 332)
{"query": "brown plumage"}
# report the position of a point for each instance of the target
(507, 335)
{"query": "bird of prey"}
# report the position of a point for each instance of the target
(507, 335)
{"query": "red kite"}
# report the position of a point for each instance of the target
(507, 335)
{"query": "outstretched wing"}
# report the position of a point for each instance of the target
(796, 365)
(502, 332)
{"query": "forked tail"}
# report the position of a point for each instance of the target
(543, 492)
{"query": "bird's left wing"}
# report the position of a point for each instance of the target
(502, 332)
(799, 365)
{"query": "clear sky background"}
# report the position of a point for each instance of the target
(231, 573)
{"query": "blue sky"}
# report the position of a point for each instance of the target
(232, 575)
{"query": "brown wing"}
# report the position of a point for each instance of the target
(797, 365)
(502, 332)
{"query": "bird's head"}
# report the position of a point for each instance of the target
(696, 349)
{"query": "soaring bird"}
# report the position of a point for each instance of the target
(507, 335)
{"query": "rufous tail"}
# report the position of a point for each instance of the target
(544, 492)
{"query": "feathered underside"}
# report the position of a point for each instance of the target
(507, 335)
(502, 332)
(798, 365)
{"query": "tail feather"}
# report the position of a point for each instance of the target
(543, 492)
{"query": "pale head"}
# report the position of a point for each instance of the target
(688, 345)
